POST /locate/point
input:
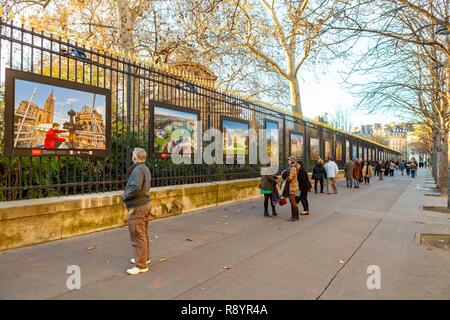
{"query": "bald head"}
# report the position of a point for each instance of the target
(139, 155)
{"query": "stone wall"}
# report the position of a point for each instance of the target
(28, 222)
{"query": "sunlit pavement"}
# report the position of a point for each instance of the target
(233, 252)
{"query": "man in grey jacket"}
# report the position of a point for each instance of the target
(136, 197)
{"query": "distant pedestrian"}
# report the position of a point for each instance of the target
(305, 186)
(319, 174)
(136, 197)
(291, 187)
(367, 172)
(267, 187)
(408, 168)
(413, 169)
(402, 166)
(332, 171)
(348, 172)
(378, 168)
(356, 173)
(386, 168)
(391, 168)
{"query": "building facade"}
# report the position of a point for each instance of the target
(395, 135)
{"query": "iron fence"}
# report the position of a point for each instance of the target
(136, 88)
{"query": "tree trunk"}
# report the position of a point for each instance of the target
(294, 87)
(447, 101)
(125, 25)
(438, 159)
(443, 183)
(434, 155)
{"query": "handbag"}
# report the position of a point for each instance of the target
(282, 202)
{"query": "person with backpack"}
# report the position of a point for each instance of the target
(305, 186)
(267, 188)
(319, 174)
(413, 168)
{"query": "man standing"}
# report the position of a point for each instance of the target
(136, 197)
(332, 171)
(348, 168)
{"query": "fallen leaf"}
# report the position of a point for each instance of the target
(225, 216)
(156, 237)
(238, 210)
(91, 248)
(107, 261)
(225, 209)
(420, 222)
(188, 239)
(225, 222)
(429, 249)
(341, 261)
(279, 228)
(441, 241)
(227, 267)
(162, 259)
(217, 222)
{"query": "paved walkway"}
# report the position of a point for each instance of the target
(323, 256)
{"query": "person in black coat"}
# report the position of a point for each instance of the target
(319, 174)
(305, 186)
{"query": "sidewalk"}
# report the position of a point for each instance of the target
(324, 255)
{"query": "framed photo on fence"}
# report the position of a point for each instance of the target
(49, 116)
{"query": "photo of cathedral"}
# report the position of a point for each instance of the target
(52, 117)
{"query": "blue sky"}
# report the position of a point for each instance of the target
(323, 90)
(65, 99)
(234, 125)
(175, 113)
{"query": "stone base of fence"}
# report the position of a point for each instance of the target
(28, 222)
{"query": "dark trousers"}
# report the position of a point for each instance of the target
(366, 179)
(268, 197)
(138, 227)
(321, 185)
(294, 207)
(304, 200)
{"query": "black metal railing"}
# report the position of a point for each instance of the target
(135, 89)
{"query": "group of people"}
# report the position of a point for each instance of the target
(388, 168)
(296, 185)
(355, 172)
(410, 167)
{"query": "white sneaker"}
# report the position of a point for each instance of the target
(133, 261)
(135, 270)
